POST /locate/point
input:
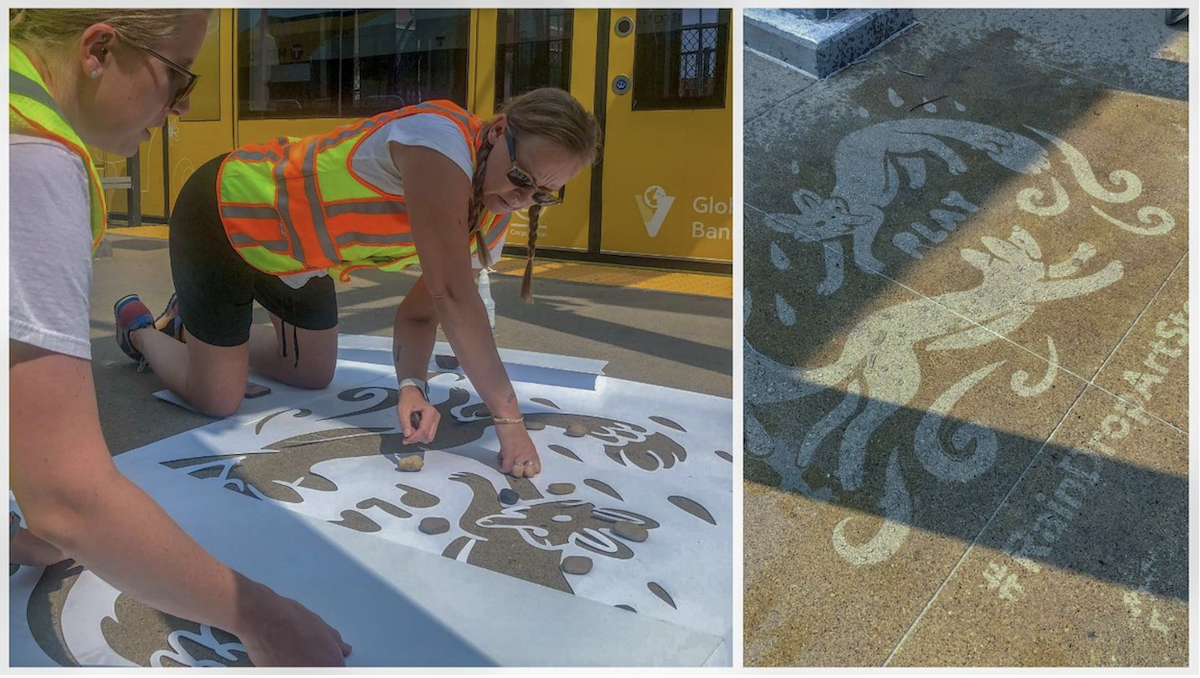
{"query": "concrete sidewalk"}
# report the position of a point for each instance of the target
(665, 338)
(974, 246)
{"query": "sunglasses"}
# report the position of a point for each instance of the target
(521, 179)
(190, 78)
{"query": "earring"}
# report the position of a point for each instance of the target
(95, 73)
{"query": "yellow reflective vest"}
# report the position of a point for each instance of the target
(32, 111)
(296, 205)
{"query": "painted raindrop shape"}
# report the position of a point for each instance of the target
(779, 258)
(863, 113)
(896, 99)
(659, 591)
(959, 106)
(693, 507)
(668, 423)
(565, 452)
(603, 488)
(787, 314)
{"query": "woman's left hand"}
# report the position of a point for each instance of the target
(412, 401)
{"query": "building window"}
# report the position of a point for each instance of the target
(680, 57)
(533, 49)
(301, 63)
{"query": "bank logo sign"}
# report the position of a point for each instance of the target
(654, 205)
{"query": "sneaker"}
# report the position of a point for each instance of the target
(169, 322)
(131, 314)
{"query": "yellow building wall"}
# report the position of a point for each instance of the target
(668, 175)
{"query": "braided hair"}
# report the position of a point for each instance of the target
(474, 218)
(531, 249)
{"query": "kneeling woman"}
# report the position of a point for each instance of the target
(274, 222)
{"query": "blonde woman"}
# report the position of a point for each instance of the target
(103, 78)
(428, 184)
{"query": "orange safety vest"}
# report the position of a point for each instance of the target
(296, 205)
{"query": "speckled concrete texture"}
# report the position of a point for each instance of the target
(965, 270)
(1086, 563)
(767, 83)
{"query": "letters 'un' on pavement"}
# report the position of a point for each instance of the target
(983, 459)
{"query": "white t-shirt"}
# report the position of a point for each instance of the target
(373, 162)
(49, 246)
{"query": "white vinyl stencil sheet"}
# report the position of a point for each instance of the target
(640, 504)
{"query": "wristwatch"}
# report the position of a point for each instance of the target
(419, 384)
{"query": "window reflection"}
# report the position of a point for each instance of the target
(533, 49)
(349, 63)
(680, 58)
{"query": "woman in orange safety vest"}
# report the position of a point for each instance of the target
(275, 222)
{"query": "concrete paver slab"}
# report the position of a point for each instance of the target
(1085, 565)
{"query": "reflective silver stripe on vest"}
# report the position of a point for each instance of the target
(457, 116)
(346, 134)
(282, 205)
(273, 245)
(243, 212)
(255, 156)
(375, 207)
(315, 207)
(24, 86)
(493, 235)
(372, 239)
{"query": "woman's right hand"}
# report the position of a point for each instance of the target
(518, 457)
(412, 401)
(282, 632)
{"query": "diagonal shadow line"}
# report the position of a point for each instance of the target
(1058, 366)
(985, 509)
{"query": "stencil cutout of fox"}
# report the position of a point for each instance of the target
(867, 164)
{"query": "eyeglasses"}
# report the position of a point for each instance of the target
(191, 78)
(521, 179)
